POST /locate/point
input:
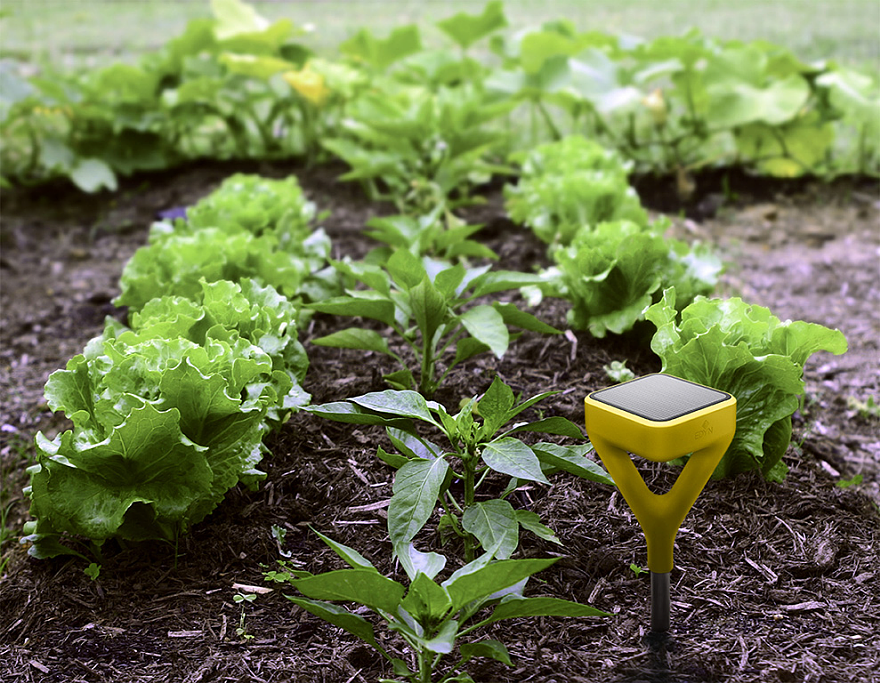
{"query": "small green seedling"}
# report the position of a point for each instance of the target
(242, 598)
(637, 570)
(279, 534)
(617, 371)
(93, 571)
(846, 483)
(868, 409)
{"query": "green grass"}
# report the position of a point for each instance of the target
(78, 33)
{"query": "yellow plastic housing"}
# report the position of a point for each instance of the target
(704, 431)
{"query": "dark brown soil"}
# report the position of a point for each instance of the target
(774, 582)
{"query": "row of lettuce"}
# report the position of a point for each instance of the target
(171, 410)
(423, 126)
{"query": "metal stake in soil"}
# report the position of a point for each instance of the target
(659, 602)
(660, 417)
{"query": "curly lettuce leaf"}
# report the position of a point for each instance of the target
(175, 265)
(612, 273)
(747, 351)
(138, 483)
(194, 411)
(258, 205)
(226, 310)
(569, 186)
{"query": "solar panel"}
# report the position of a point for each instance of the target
(659, 398)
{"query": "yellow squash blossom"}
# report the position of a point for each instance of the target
(309, 84)
(657, 106)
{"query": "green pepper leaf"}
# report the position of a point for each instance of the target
(363, 586)
(426, 600)
(511, 456)
(491, 578)
(416, 487)
(355, 338)
(571, 459)
(398, 404)
(486, 325)
(492, 649)
(530, 521)
(495, 406)
(429, 308)
(341, 617)
(513, 607)
(494, 524)
(551, 425)
(351, 556)
(376, 307)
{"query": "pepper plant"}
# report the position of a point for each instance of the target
(432, 618)
(440, 234)
(426, 308)
(426, 471)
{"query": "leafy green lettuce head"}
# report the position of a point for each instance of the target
(227, 311)
(258, 205)
(571, 154)
(175, 264)
(162, 429)
(746, 351)
(570, 186)
(613, 273)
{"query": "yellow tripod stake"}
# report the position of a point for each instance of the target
(660, 417)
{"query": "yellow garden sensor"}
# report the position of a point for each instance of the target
(660, 417)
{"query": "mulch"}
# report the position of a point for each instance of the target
(773, 582)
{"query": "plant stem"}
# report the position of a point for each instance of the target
(470, 471)
(454, 502)
(427, 385)
(470, 467)
(551, 125)
(424, 667)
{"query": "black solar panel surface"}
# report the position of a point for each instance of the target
(659, 397)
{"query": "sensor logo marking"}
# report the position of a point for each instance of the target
(706, 430)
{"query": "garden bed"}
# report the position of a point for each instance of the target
(773, 581)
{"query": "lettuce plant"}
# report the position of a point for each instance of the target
(167, 416)
(174, 264)
(250, 227)
(611, 273)
(162, 429)
(432, 618)
(425, 470)
(229, 311)
(747, 351)
(426, 309)
(259, 205)
(571, 185)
